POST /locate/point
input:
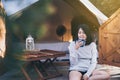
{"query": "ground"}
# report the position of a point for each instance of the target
(16, 74)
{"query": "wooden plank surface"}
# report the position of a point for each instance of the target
(42, 54)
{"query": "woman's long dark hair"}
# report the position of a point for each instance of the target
(87, 31)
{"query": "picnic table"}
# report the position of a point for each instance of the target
(42, 57)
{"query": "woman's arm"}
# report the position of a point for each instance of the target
(73, 56)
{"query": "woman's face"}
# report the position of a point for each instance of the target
(81, 34)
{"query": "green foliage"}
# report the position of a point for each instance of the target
(32, 20)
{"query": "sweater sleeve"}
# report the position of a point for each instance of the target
(93, 60)
(73, 56)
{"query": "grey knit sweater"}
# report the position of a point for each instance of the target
(83, 59)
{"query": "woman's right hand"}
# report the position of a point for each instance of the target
(78, 44)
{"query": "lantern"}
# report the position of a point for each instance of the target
(30, 43)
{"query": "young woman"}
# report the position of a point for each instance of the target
(83, 58)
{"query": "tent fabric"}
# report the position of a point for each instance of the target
(99, 15)
(14, 8)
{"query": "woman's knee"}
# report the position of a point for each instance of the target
(101, 74)
(75, 75)
(106, 75)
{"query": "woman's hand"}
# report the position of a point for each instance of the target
(78, 44)
(85, 77)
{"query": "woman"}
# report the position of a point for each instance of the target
(83, 57)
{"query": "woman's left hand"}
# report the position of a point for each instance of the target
(85, 77)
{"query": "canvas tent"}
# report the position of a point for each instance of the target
(83, 8)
